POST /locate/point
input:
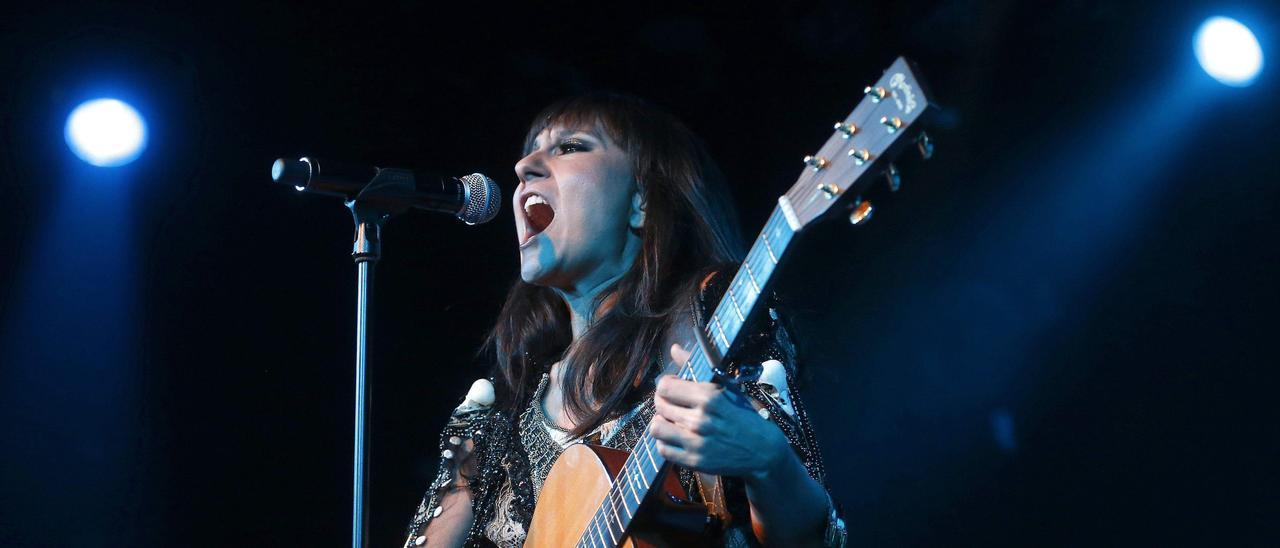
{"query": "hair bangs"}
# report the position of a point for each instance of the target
(587, 113)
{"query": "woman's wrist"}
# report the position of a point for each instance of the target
(779, 462)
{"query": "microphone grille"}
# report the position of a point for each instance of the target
(483, 199)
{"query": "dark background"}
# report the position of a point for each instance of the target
(1058, 332)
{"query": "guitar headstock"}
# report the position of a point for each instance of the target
(861, 150)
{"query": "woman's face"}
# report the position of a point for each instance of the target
(576, 200)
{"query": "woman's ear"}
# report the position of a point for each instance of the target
(637, 211)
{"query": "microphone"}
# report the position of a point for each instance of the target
(473, 199)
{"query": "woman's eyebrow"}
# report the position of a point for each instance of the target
(560, 133)
(593, 133)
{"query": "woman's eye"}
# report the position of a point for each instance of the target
(572, 145)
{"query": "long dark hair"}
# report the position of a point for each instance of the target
(690, 226)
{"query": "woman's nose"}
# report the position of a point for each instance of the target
(530, 168)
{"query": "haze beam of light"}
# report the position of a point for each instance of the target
(70, 380)
(1074, 199)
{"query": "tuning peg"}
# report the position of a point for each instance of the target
(891, 123)
(815, 162)
(859, 155)
(924, 145)
(876, 94)
(846, 129)
(861, 212)
(829, 190)
(895, 180)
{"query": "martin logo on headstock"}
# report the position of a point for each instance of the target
(863, 143)
(593, 495)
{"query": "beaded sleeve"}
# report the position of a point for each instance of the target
(473, 447)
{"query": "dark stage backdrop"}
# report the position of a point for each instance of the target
(1058, 332)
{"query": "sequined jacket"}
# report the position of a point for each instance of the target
(500, 460)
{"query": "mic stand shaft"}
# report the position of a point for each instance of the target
(370, 214)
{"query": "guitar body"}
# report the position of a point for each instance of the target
(577, 485)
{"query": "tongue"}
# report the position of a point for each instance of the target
(540, 216)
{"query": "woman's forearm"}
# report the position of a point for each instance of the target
(788, 507)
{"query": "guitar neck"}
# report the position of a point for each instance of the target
(641, 469)
(860, 149)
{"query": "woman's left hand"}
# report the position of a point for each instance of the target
(701, 426)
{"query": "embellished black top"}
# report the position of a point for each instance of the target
(493, 464)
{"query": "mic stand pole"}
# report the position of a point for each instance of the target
(370, 212)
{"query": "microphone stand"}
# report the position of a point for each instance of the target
(370, 211)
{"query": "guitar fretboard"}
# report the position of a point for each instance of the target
(609, 524)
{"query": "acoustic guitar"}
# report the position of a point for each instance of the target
(600, 497)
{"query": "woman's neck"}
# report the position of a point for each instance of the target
(582, 304)
(582, 298)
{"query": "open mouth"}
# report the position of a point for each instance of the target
(538, 215)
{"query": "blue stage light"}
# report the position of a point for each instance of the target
(106, 132)
(1228, 51)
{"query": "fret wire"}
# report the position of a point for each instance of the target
(763, 262)
(604, 516)
(613, 506)
(632, 482)
(758, 268)
(650, 448)
(775, 224)
(622, 523)
(716, 322)
(613, 540)
(759, 264)
(650, 455)
(602, 513)
(704, 369)
(599, 533)
(746, 265)
(769, 248)
(734, 300)
(728, 326)
(723, 339)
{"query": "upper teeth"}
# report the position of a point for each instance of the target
(532, 199)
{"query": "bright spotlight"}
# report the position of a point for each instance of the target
(1228, 51)
(106, 132)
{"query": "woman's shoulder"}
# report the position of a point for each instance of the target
(476, 413)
